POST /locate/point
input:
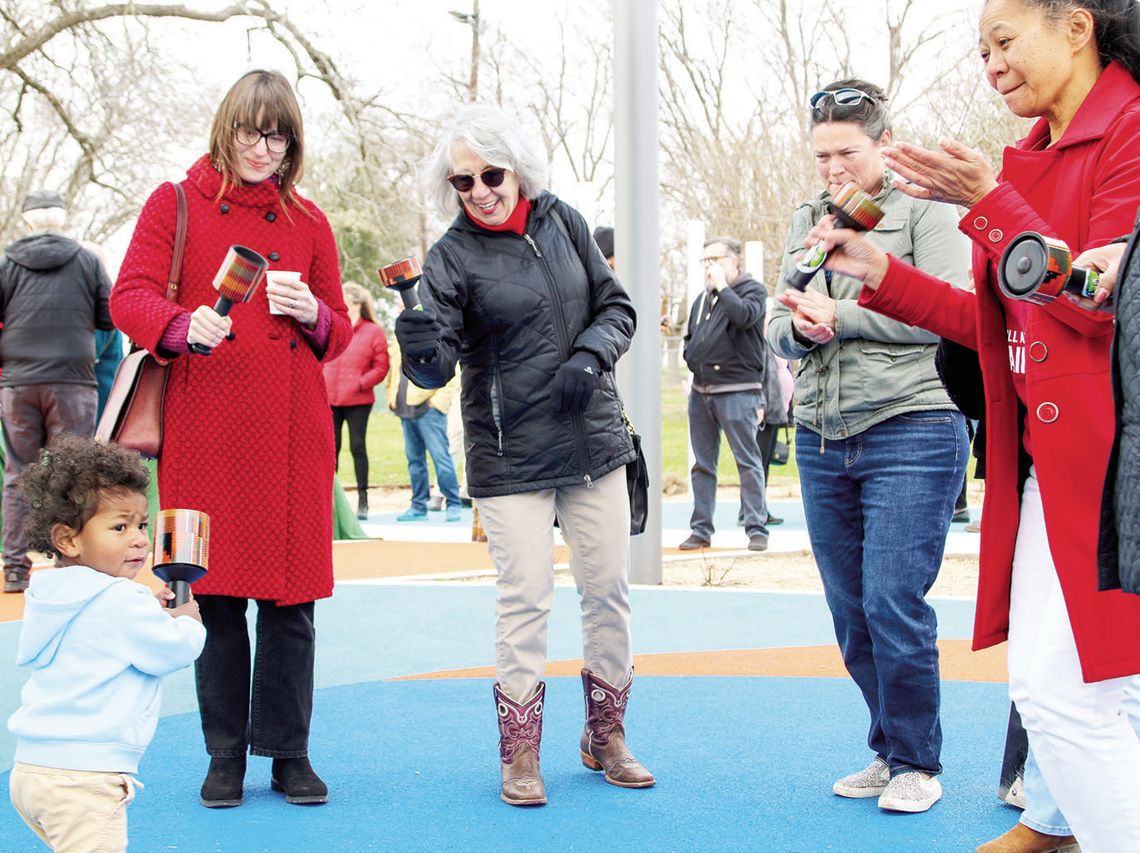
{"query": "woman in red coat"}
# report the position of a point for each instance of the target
(248, 437)
(1076, 176)
(350, 378)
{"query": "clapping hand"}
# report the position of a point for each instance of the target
(813, 314)
(956, 174)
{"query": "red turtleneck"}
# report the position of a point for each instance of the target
(516, 222)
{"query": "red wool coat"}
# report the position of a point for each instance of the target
(351, 376)
(1084, 190)
(247, 432)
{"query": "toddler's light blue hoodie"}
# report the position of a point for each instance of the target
(98, 647)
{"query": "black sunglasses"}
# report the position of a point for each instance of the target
(492, 178)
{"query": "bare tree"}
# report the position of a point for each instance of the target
(79, 84)
(736, 76)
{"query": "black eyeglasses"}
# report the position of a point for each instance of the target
(492, 178)
(842, 98)
(275, 141)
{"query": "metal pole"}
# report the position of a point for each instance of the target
(637, 252)
(694, 287)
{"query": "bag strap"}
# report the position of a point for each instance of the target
(181, 225)
(561, 225)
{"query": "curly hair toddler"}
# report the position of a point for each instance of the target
(97, 645)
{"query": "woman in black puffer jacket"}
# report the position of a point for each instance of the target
(518, 294)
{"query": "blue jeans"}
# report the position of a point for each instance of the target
(428, 434)
(878, 507)
(736, 413)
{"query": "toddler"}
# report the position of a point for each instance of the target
(97, 645)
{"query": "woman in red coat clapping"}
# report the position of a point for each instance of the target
(350, 378)
(248, 438)
(1049, 410)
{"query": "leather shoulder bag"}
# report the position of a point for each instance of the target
(132, 417)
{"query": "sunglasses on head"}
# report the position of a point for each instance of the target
(492, 178)
(842, 98)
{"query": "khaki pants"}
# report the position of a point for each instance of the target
(520, 538)
(74, 811)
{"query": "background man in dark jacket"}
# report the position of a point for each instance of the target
(53, 296)
(724, 348)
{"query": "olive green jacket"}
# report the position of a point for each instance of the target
(874, 368)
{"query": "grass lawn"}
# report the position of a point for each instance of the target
(388, 466)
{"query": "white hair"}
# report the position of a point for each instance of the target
(496, 137)
(44, 219)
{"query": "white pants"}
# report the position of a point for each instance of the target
(520, 538)
(1086, 749)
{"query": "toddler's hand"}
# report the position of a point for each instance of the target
(164, 594)
(190, 608)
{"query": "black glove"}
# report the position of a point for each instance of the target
(418, 334)
(574, 382)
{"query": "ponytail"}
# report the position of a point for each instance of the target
(1117, 29)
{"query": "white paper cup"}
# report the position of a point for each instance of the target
(280, 277)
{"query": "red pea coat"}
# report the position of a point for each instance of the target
(247, 431)
(1084, 190)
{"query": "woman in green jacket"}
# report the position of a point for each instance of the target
(880, 448)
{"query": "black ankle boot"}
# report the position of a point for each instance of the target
(362, 506)
(296, 779)
(223, 786)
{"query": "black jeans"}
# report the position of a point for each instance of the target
(357, 417)
(271, 716)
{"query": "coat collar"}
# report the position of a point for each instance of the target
(539, 208)
(208, 181)
(1113, 90)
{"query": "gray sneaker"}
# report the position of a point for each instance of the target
(1015, 796)
(913, 791)
(868, 782)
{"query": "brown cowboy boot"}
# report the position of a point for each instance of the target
(603, 742)
(1022, 839)
(520, 731)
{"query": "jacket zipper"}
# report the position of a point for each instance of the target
(564, 350)
(496, 405)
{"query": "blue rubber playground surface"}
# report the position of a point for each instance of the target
(743, 762)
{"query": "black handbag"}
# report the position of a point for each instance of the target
(780, 450)
(637, 481)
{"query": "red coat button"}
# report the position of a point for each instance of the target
(981, 223)
(1038, 352)
(1048, 412)
(996, 235)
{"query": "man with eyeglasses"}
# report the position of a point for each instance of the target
(724, 349)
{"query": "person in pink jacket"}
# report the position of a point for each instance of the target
(350, 378)
(1049, 409)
